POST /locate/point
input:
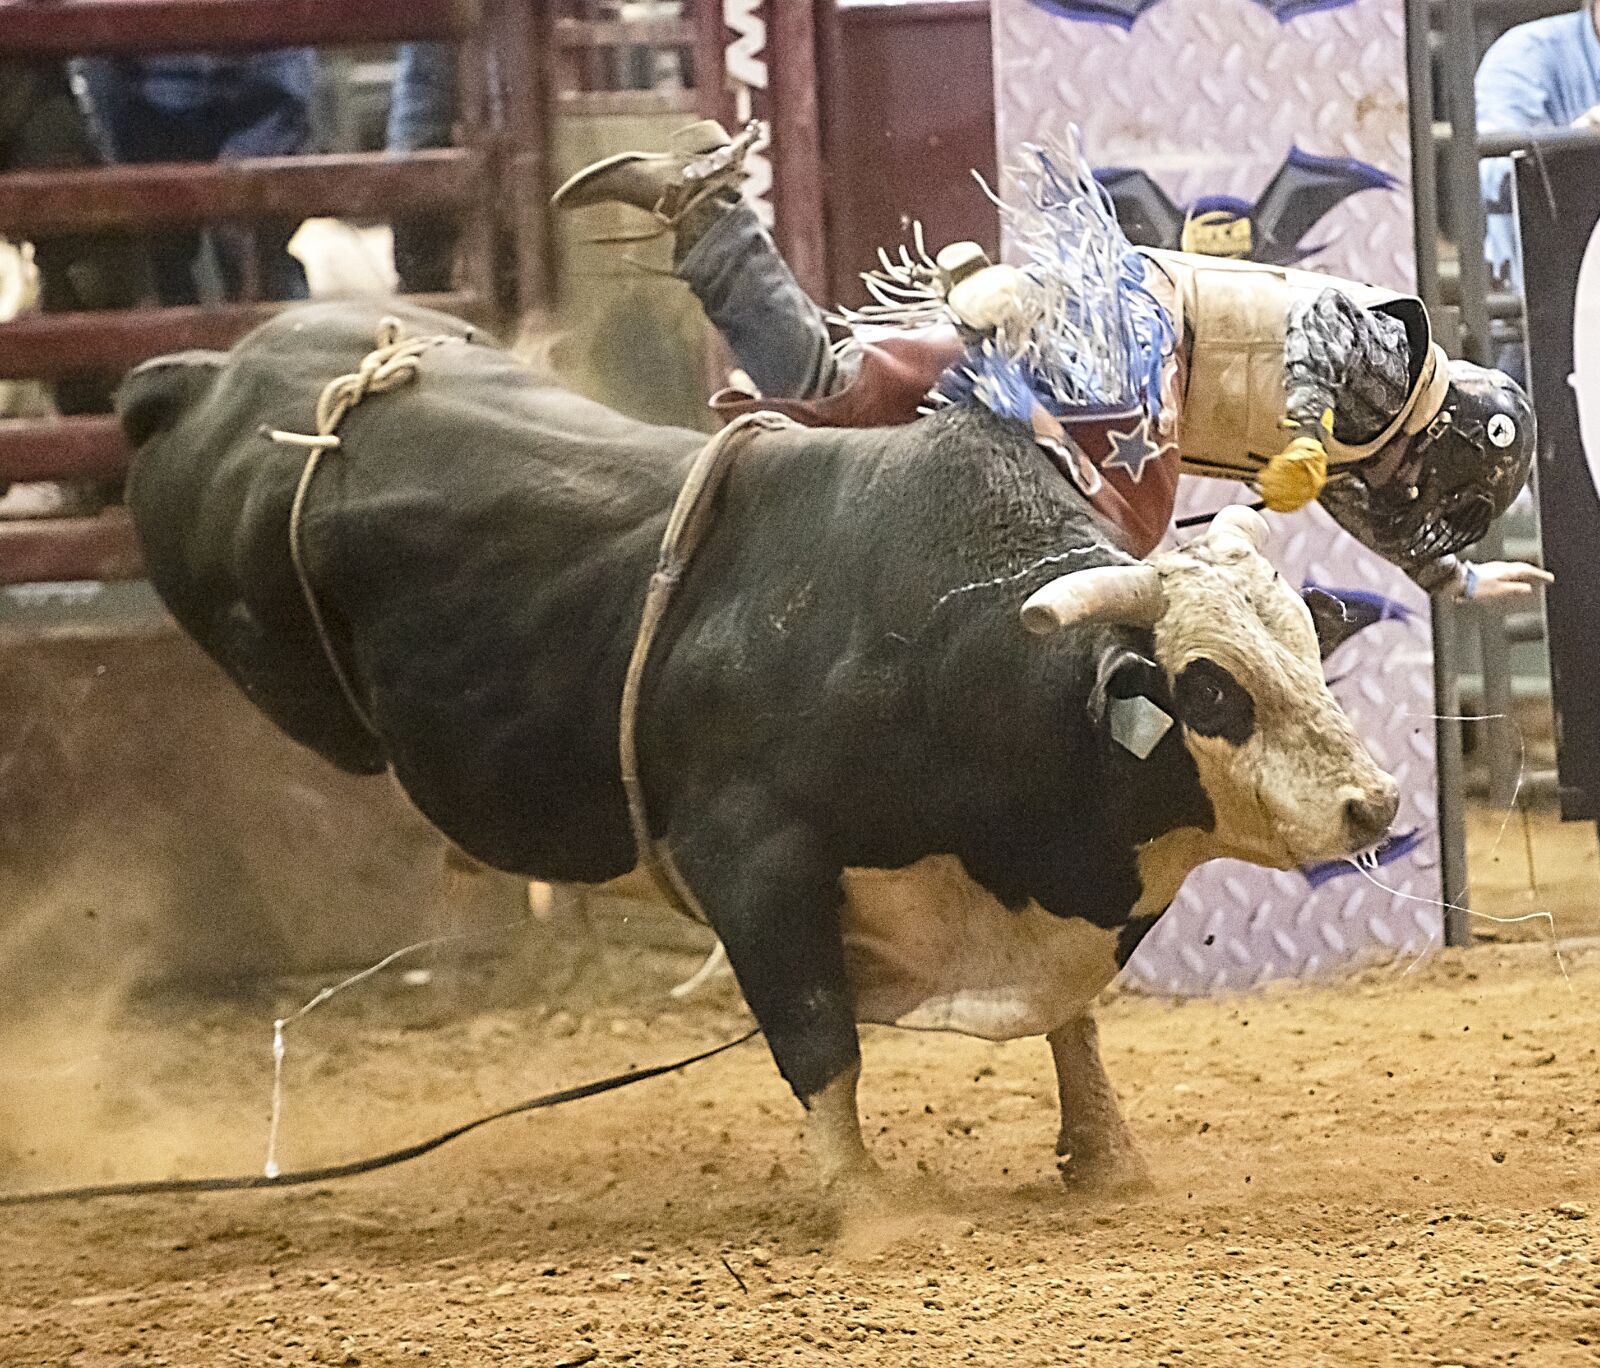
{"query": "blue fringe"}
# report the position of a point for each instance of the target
(1100, 338)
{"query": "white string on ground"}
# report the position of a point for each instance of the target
(1555, 945)
(279, 1047)
(270, 1165)
(1522, 758)
(714, 962)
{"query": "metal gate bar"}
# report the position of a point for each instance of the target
(152, 194)
(475, 184)
(48, 346)
(73, 28)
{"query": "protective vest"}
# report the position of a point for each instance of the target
(1234, 318)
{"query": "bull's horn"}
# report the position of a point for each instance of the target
(1240, 520)
(1128, 594)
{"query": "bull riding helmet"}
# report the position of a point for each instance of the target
(1461, 471)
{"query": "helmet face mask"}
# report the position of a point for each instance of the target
(1460, 473)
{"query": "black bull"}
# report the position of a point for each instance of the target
(842, 688)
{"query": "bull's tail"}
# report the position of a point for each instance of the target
(153, 394)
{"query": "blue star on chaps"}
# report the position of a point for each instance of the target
(1132, 451)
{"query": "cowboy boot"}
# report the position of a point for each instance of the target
(701, 161)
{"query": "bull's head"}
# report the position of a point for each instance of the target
(1287, 777)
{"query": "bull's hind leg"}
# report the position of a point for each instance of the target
(833, 1126)
(776, 908)
(1096, 1149)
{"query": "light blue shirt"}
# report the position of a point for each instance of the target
(1539, 75)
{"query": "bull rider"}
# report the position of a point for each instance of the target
(1129, 364)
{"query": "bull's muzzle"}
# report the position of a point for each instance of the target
(1369, 813)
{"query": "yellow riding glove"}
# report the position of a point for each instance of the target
(1296, 475)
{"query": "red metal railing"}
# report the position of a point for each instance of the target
(72, 28)
(523, 63)
(473, 182)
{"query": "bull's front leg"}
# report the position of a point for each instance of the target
(775, 905)
(1097, 1151)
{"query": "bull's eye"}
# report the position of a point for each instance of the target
(1211, 702)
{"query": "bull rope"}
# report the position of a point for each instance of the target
(395, 362)
(686, 529)
(392, 363)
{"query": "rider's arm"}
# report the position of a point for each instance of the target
(1483, 581)
(1347, 361)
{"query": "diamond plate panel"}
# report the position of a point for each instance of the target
(1237, 90)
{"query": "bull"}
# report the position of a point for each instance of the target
(894, 802)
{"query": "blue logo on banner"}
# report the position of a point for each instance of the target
(1395, 848)
(1125, 13)
(1304, 191)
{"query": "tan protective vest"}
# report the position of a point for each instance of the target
(1234, 315)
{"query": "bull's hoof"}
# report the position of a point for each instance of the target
(861, 1188)
(875, 1214)
(1117, 1174)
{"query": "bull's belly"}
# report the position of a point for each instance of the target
(928, 948)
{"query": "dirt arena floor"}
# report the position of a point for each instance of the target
(1401, 1169)
(1526, 863)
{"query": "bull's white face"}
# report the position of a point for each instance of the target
(1288, 778)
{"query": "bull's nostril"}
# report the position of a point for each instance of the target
(1368, 816)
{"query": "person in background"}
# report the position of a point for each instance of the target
(1545, 74)
(42, 127)
(422, 111)
(205, 107)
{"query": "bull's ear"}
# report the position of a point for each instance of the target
(1129, 700)
(153, 395)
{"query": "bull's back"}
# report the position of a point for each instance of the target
(479, 540)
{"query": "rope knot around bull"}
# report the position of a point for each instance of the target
(393, 362)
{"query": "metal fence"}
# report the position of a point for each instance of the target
(523, 64)
(1477, 316)
(459, 181)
